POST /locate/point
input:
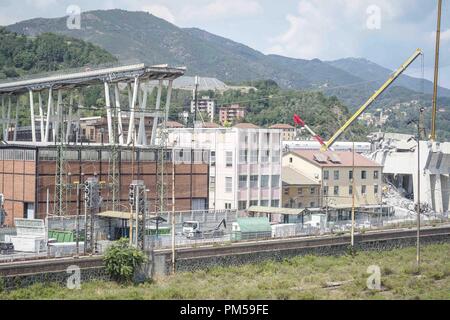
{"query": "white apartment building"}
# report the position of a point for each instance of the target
(205, 105)
(245, 165)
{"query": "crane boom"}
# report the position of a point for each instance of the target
(299, 121)
(436, 73)
(372, 99)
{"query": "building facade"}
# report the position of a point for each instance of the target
(27, 178)
(232, 113)
(299, 191)
(205, 105)
(340, 176)
(245, 167)
(288, 131)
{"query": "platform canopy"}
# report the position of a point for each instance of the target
(70, 79)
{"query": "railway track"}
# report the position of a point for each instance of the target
(21, 268)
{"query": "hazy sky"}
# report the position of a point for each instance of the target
(384, 31)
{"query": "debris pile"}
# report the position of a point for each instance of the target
(404, 207)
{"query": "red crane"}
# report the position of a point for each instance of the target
(298, 121)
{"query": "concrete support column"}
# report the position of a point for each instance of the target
(41, 115)
(168, 99)
(438, 191)
(445, 182)
(119, 113)
(158, 107)
(49, 112)
(3, 117)
(56, 121)
(142, 136)
(109, 114)
(16, 124)
(33, 123)
(69, 119)
(8, 120)
(132, 127)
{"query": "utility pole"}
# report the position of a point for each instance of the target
(353, 198)
(173, 211)
(139, 205)
(92, 202)
(418, 188)
(196, 101)
(418, 124)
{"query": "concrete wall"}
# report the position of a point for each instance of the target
(16, 275)
(238, 254)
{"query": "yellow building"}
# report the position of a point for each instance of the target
(339, 175)
(299, 191)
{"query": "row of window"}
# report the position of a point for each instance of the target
(242, 205)
(255, 138)
(248, 157)
(300, 192)
(336, 190)
(254, 181)
(24, 155)
(326, 175)
(300, 205)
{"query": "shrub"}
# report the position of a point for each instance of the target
(122, 260)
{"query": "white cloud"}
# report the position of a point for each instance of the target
(320, 29)
(40, 4)
(445, 35)
(222, 9)
(160, 11)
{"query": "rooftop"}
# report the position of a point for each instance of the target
(335, 158)
(294, 178)
(246, 126)
(174, 124)
(282, 126)
(210, 125)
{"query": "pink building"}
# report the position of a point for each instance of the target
(232, 113)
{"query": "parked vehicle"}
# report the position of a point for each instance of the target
(192, 230)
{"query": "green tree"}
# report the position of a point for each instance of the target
(122, 260)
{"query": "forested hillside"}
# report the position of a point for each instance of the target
(21, 55)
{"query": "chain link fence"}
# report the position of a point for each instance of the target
(213, 231)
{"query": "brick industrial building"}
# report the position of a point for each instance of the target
(27, 177)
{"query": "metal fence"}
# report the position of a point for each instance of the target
(209, 220)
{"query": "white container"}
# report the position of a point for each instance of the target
(28, 244)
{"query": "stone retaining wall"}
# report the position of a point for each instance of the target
(55, 271)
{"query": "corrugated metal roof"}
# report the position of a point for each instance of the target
(254, 224)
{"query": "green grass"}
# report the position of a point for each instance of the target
(299, 278)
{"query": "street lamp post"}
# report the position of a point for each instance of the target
(418, 184)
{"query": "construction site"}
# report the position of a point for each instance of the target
(196, 195)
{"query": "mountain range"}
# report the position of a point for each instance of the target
(140, 36)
